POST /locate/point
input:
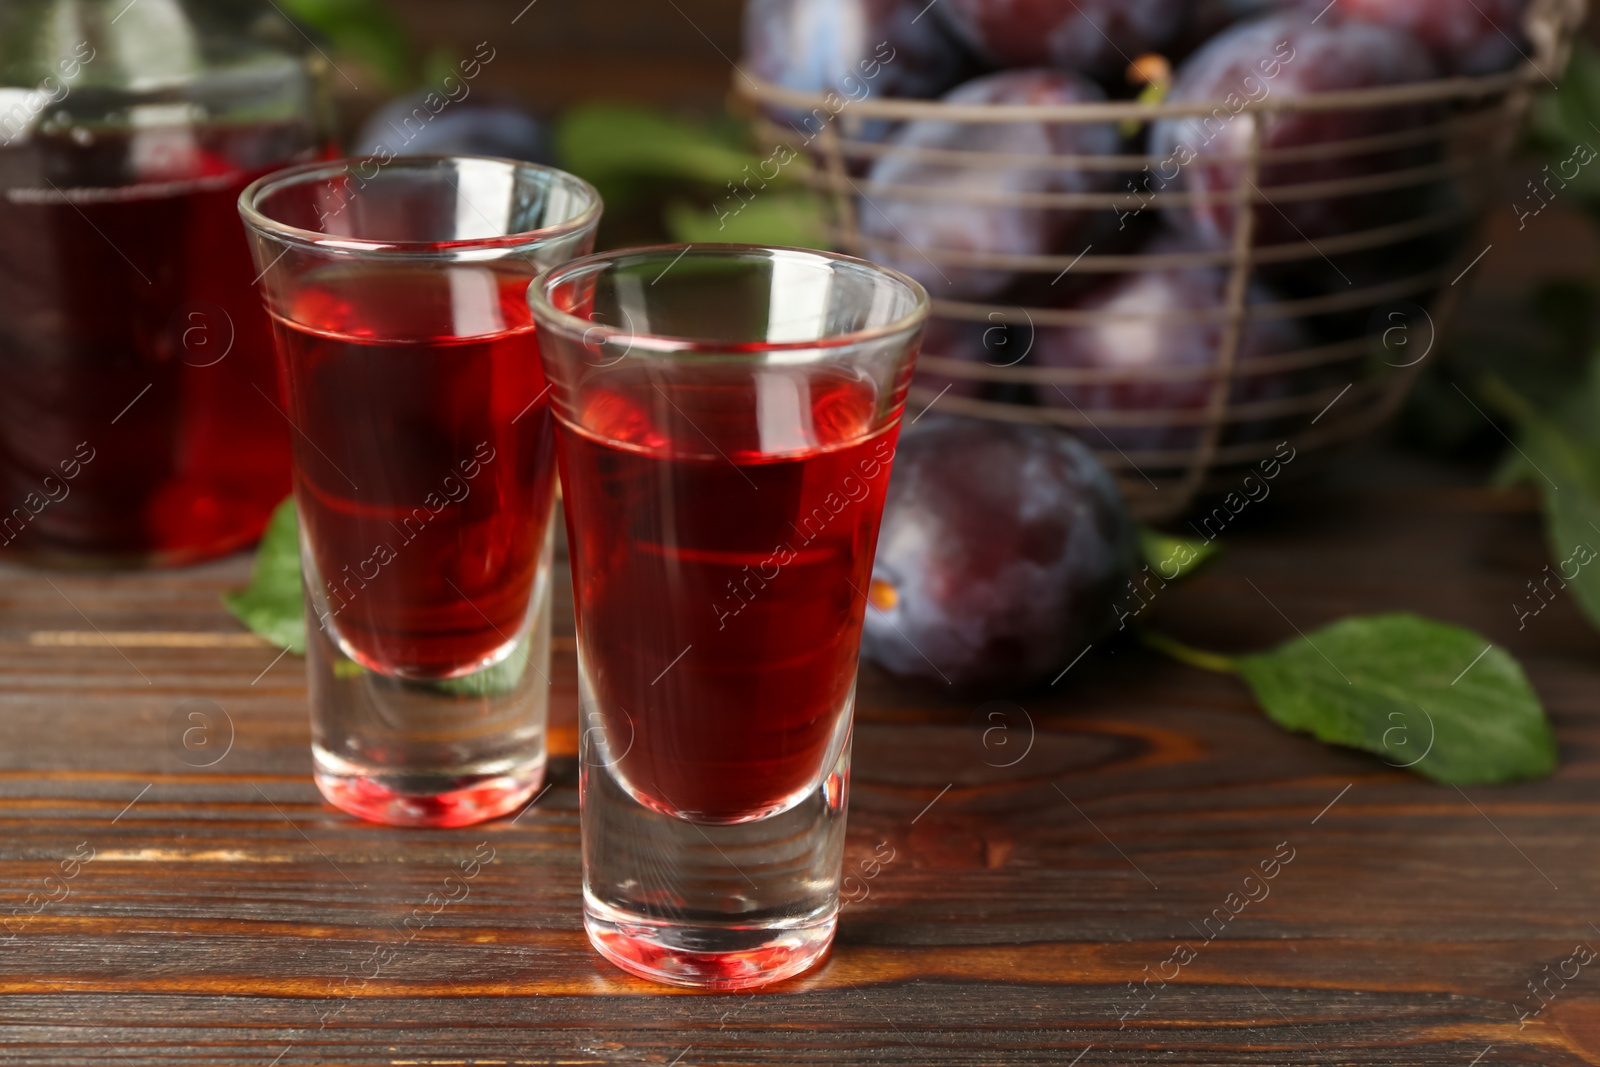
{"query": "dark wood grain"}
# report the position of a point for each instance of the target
(229, 917)
(552, 55)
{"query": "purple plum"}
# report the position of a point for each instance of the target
(1465, 36)
(1094, 37)
(852, 49)
(1003, 548)
(1287, 56)
(966, 209)
(1149, 329)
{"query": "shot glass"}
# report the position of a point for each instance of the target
(726, 418)
(424, 471)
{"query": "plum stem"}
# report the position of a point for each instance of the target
(1194, 657)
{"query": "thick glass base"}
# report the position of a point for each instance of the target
(705, 957)
(708, 905)
(423, 800)
(447, 752)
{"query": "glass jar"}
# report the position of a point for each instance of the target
(139, 416)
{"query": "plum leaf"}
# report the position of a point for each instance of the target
(1438, 699)
(607, 142)
(365, 30)
(1176, 557)
(271, 607)
(791, 219)
(271, 604)
(1561, 458)
(496, 680)
(1562, 119)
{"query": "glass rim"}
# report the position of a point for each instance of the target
(254, 218)
(594, 334)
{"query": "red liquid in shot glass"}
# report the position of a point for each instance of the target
(424, 460)
(720, 596)
(135, 358)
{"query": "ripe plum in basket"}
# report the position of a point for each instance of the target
(970, 207)
(1094, 37)
(1287, 56)
(1148, 330)
(853, 48)
(1211, 17)
(1467, 37)
(1003, 548)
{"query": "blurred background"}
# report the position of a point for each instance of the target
(674, 55)
(669, 65)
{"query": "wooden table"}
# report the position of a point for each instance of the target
(228, 916)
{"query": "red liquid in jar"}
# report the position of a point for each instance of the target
(425, 474)
(136, 379)
(720, 596)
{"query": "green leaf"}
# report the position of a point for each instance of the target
(1176, 557)
(1564, 114)
(1436, 698)
(1565, 118)
(1561, 457)
(606, 142)
(271, 604)
(493, 681)
(440, 62)
(366, 31)
(497, 680)
(1572, 530)
(772, 218)
(1537, 346)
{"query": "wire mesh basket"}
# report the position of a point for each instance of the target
(1371, 298)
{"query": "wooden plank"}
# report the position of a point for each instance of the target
(230, 917)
